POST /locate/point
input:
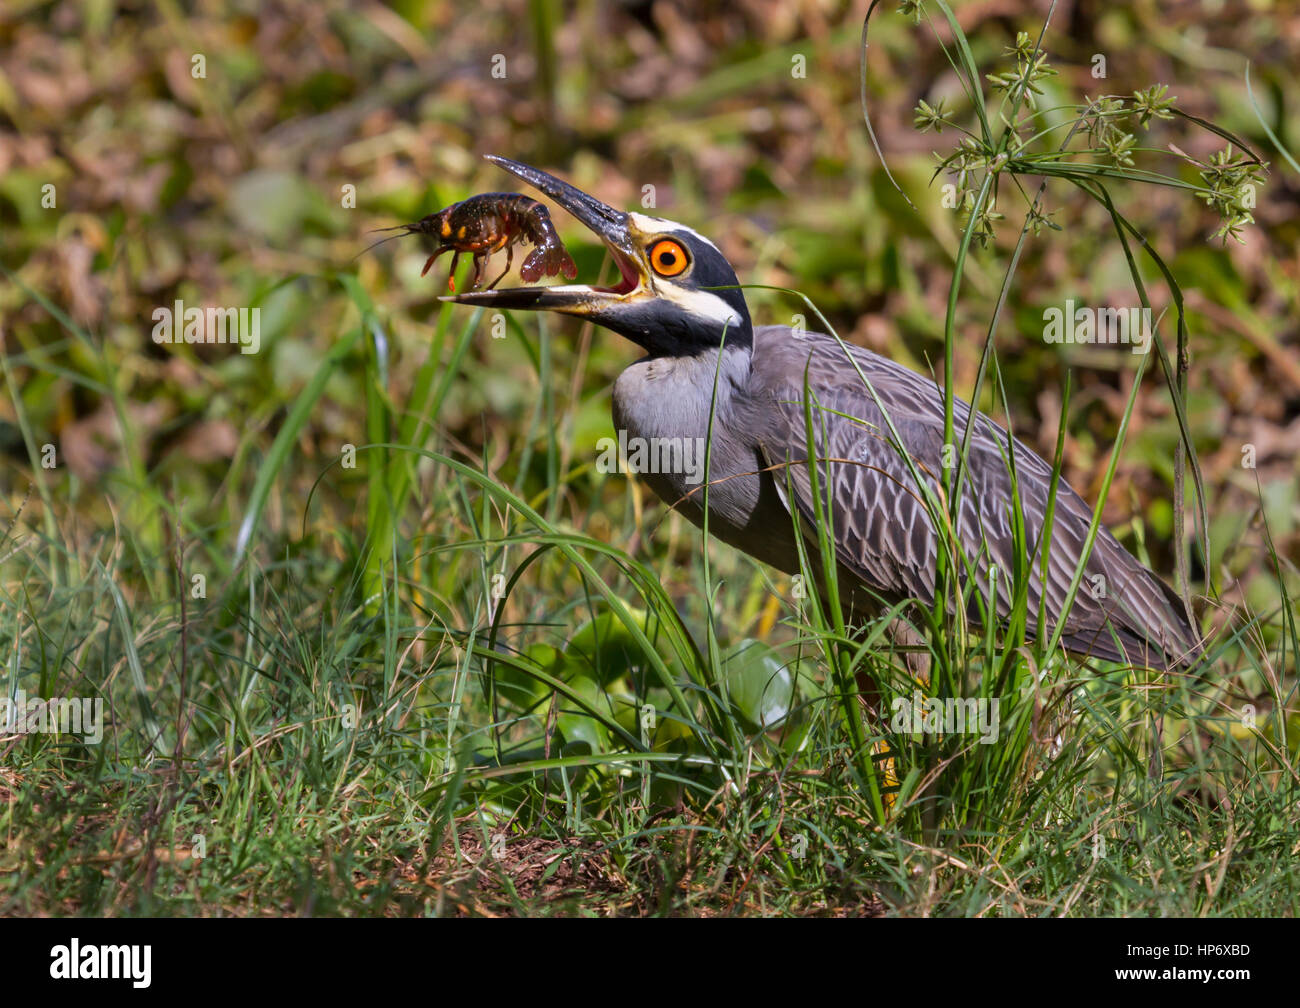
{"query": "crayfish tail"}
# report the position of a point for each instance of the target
(531, 270)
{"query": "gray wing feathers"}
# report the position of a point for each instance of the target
(883, 532)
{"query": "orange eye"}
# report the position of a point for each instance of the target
(668, 258)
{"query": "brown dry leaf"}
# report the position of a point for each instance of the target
(208, 441)
(84, 290)
(91, 446)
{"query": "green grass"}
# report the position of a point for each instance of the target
(301, 808)
(337, 745)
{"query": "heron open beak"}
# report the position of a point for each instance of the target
(610, 225)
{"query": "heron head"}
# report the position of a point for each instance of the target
(677, 295)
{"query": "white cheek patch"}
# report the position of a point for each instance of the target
(657, 225)
(700, 304)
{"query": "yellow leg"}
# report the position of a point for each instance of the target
(767, 618)
(889, 773)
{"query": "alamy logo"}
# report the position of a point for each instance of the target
(922, 715)
(24, 715)
(75, 961)
(1100, 326)
(656, 455)
(179, 324)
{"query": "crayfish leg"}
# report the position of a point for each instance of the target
(510, 258)
(451, 276)
(429, 262)
(479, 259)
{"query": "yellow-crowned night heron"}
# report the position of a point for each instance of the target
(708, 370)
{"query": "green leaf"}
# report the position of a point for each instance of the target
(274, 204)
(760, 685)
(605, 649)
(578, 726)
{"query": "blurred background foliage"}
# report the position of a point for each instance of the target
(228, 190)
(232, 189)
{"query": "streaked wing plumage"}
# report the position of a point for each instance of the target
(884, 534)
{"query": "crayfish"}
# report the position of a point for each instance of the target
(488, 223)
